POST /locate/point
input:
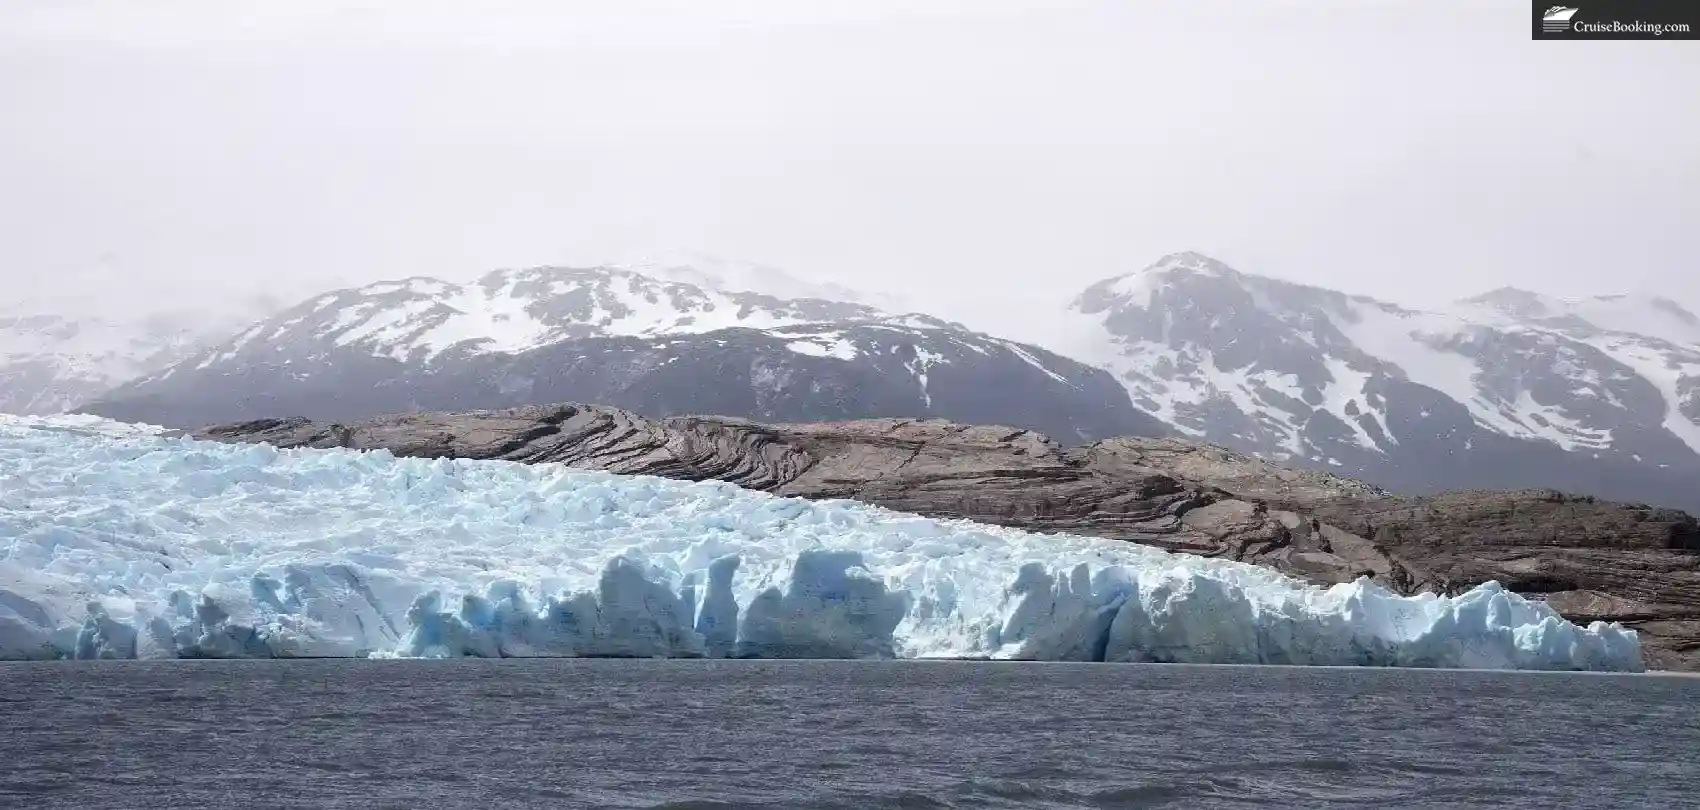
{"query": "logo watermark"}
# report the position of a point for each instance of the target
(1617, 19)
(1557, 19)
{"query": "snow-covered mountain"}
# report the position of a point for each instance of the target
(1507, 389)
(53, 361)
(1504, 390)
(712, 272)
(614, 336)
(510, 311)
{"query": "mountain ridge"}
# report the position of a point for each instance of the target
(622, 338)
(1506, 389)
(58, 359)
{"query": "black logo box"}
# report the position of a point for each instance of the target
(1617, 19)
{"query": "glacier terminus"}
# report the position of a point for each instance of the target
(126, 541)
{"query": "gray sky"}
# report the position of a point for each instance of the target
(984, 156)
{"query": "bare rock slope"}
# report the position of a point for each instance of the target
(1591, 559)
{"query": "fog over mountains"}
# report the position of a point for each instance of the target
(57, 357)
(1504, 389)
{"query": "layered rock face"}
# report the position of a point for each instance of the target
(1590, 559)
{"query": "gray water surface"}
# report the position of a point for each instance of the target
(838, 734)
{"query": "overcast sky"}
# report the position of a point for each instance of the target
(984, 156)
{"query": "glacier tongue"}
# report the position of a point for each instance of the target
(121, 542)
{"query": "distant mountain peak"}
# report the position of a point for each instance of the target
(1649, 316)
(1141, 286)
(1513, 301)
(712, 272)
(1194, 261)
(618, 335)
(57, 357)
(516, 310)
(1510, 383)
(1186, 263)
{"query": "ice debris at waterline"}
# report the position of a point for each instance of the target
(120, 542)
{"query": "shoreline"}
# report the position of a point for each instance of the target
(599, 660)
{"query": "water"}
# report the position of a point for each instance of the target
(602, 733)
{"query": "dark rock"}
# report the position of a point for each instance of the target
(735, 371)
(1591, 559)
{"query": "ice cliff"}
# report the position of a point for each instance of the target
(117, 541)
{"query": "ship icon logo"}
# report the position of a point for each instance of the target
(1557, 19)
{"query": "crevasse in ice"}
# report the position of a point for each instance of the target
(119, 542)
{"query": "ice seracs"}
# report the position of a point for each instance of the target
(125, 542)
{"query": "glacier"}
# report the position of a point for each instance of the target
(125, 541)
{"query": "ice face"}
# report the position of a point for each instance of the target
(119, 542)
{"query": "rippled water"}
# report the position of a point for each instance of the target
(604, 733)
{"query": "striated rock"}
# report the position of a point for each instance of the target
(1591, 559)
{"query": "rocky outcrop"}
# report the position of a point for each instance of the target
(1591, 559)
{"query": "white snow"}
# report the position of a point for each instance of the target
(1413, 341)
(388, 326)
(1645, 333)
(1559, 429)
(498, 320)
(1236, 387)
(123, 543)
(60, 361)
(1136, 364)
(924, 359)
(1656, 338)
(1345, 388)
(1029, 359)
(236, 345)
(417, 285)
(515, 311)
(1142, 286)
(1665, 368)
(824, 344)
(1634, 314)
(730, 275)
(1138, 288)
(1416, 342)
